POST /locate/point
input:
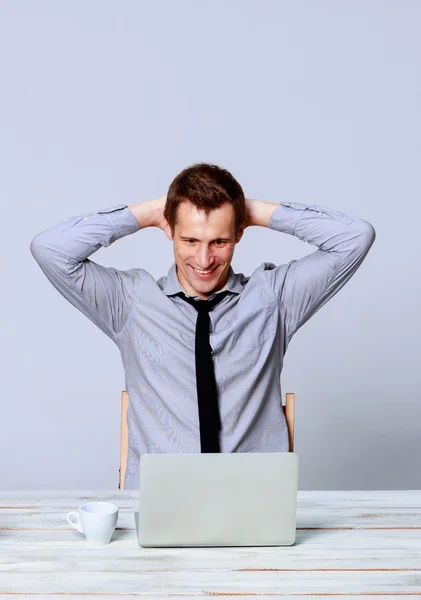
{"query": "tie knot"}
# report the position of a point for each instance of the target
(204, 306)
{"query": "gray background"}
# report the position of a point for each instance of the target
(103, 103)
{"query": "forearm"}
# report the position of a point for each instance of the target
(259, 212)
(333, 231)
(328, 229)
(75, 239)
(149, 212)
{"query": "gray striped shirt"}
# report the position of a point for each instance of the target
(249, 330)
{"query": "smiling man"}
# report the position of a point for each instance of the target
(203, 347)
(203, 247)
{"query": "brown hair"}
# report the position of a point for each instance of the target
(208, 187)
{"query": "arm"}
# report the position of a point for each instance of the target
(104, 294)
(303, 286)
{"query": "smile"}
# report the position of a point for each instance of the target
(204, 273)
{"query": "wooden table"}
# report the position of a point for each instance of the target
(364, 543)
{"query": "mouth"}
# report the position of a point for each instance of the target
(208, 274)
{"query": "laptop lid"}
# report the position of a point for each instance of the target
(227, 499)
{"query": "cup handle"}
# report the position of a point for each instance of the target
(76, 524)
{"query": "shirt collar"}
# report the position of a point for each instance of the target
(170, 284)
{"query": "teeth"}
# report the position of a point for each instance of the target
(204, 272)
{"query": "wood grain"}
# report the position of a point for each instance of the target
(349, 543)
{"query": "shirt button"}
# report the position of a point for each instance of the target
(319, 213)
(293, 205)
(85, 218)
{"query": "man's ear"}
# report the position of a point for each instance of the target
(167, 230)
(240, 234)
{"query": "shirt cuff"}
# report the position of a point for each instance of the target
(286, 216)
(122, 219)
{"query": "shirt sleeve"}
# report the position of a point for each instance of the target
(104, 294)
(303, 286)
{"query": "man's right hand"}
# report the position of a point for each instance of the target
(150, 213)
(160, 206)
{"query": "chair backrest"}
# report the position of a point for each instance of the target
(288, 407)
(124, 437)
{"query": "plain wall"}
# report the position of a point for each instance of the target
(103, 103)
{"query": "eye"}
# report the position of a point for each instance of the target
(219, 243)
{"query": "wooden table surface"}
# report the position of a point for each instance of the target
(349, 543)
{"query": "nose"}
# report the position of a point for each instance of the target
(204, 257)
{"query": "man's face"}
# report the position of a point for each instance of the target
(203, 247)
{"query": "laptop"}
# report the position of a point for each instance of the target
(227, 499)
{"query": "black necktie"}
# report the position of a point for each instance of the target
(209, 419)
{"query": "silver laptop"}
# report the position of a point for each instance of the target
(227, 499)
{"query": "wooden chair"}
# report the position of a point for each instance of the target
(289, 411)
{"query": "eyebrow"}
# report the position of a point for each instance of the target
(221, 239)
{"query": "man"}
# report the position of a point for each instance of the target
(154, 324)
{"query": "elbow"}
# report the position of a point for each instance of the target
(366, 237)
(38, 248)
(369, 233)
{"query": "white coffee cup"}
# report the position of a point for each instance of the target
(96, 520)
